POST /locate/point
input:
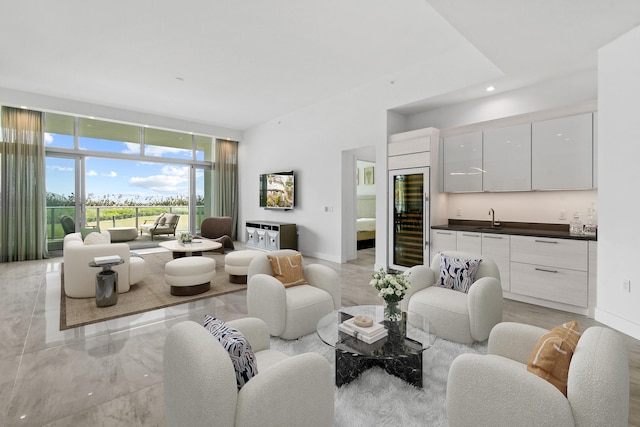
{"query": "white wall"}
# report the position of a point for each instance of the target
(619, 151)
(362, 188)
(312, 141)
(536, 206)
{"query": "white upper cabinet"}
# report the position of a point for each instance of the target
(463, 162)
(507, 158)
(562, 153)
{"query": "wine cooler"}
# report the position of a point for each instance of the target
(409, 217)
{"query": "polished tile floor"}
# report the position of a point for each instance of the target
(110, 373)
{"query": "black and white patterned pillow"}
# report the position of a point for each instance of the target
(239, 349)
(457, 274)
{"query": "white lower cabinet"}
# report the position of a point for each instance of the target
(550, 283)
(442, 240)
(469, 242)
(496, 248)
(555, 271)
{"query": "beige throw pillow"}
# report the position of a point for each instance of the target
(288, 269)
(95, 239)
(552, 354)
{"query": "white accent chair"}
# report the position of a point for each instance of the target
(295, 311)
(200, 383)
(457, 316)
(80, 279)
(497, 390)
(165, 223)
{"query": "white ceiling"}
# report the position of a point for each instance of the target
(239, 63)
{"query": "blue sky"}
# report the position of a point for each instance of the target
(129, 178)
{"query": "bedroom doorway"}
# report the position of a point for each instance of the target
(365, 205)
(365, 210)
(359, 183)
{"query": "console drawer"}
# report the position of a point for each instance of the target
(543, 251)
(550, 283)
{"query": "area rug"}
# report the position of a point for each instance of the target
(379, 399)
(150, 294)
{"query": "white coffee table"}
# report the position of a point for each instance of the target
(195, 248)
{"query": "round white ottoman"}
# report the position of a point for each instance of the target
(190, 275)
(123, 234)
(236, 264)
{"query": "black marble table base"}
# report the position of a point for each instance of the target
(349, 366)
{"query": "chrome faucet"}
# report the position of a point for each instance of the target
(493, 218)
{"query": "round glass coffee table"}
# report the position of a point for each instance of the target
(195, 247)
(399, 353)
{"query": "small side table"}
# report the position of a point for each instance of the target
(106, 284)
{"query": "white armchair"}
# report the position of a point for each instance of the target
(457, 316)
(200, 383)
(79, 278)
(497, 390)
(295, 311)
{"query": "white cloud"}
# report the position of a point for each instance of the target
(131, 148)
(175, 170)
(111, 174)
(60, 168)
(162, 183)
(48, 138)
(157, 151)
(92, 173)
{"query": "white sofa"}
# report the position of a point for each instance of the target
(200, 383)
(457, 316)
(496, 389)
(79, 278)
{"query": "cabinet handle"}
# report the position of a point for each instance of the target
(545, 270)
(492, 237)
(546, 241)
(470, 235)
(442, 232)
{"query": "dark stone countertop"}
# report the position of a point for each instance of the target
(558, 231)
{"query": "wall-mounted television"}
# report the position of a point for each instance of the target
(277, 190)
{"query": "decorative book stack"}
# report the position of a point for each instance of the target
(368, 334)
(109, 259)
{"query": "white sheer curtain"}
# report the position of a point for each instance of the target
(23, 222)
(225, 182)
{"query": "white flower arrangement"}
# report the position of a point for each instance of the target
(391, 287)
(185, 237)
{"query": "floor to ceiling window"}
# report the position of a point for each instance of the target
(112, 174)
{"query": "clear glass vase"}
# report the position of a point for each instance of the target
(394, 321)
(392, 311)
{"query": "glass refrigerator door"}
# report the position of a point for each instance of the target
(409, 216)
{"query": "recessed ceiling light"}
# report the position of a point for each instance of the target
(491, 89)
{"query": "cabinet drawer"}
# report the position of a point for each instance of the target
(261, 241)
(405, 161)
(496, 248)
(408, 146)
(469, 242)
(552, 284)
(252, 236)
(273, 242)
(442, 240)
(561, 253)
